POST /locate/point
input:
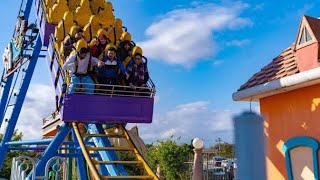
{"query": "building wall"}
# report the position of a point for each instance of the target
(290, 114)
(307, 57)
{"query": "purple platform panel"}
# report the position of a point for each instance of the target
(107, 109)
(46, 29)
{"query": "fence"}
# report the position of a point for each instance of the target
(24, 166)
(212, 170)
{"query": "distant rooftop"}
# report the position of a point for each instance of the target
(289, 62)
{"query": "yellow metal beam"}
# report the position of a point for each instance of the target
(109, 148)
(127, 177)
(118, 162)
(92, 168)
(139, 157)
(104, 135)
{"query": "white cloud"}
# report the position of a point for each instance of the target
(39, 103)
(157, 99)
(190, 120)
(167, 134)
(217, 62)
(259, 7)
(184, 36)
(305, 9)
(238, 43)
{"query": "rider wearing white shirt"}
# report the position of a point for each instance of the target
(78, 66)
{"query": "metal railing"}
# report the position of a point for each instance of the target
(55, 116)
(111, 90)
(221, 173)
(213, 170)
(23, 166)
(59, 170)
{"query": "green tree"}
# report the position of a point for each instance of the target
(6, 168)
(17, 136)
(171, 158)
(225, 150)
(128, 156)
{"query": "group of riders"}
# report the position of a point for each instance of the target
(96, 68)
(102, 65)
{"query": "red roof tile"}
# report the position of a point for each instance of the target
(283, 65)
(315, 26)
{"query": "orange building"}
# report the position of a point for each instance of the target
(288, 89)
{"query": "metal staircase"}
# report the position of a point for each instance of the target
(104, 167)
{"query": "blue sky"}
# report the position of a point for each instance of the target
(200, 52)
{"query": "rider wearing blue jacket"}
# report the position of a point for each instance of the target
(108, 73)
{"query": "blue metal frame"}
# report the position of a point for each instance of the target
(301, 141)
(4, 97)
(52, 149)
(82, 171)
(37, 142)
(8, 83)
(27, 9)
(106, 155)
(69, 155)
(19, 101)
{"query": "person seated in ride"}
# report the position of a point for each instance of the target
(71, 41)
(124, 55)
(136, 50)
(137, 73)
(124, 51)
(108, 73)
(99, 45)
(79, 65)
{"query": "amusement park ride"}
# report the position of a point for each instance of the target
(83, 129)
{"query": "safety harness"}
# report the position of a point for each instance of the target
(89, 69)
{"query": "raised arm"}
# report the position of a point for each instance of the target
(96, 62)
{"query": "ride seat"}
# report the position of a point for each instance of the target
(106, 15)
(91, 28)
(119, 28)
(73, 4)
(116, 31)
(48, 5)
(125, 36)
(100, 31)
(137, 50)
(62, 29)
(80, 44)
(96, 6)
(71, 34)
(57, 11)
(64, 26)
(83, 13)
